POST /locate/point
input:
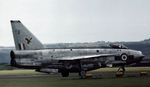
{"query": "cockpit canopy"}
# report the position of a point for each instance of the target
(118, 46)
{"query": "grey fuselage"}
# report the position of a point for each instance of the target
(50, 58)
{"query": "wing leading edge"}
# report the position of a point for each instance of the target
(85, 57)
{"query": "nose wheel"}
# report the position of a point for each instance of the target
(121, 69)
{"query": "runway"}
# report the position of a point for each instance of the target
(98, 75)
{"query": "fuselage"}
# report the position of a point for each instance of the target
(50, 57)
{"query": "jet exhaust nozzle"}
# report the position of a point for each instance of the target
(12, 56)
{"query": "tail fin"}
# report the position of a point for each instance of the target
(23, 38)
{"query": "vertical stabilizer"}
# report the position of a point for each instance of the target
(23, 38)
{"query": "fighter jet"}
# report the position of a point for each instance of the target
(31, 54)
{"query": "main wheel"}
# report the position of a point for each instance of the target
(65, 73)
(82, 74)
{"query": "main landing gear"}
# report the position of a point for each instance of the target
(82, 72)
(65, 73)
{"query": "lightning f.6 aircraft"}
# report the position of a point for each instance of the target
(31, 54)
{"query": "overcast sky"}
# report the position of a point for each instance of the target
(56, 21)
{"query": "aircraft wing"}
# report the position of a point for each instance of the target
(85, 57)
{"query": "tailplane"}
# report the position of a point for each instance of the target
(23, 38)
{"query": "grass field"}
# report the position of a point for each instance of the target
(128, 69)
(19, 72)
(75, 81)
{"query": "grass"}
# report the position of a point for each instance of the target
(19, 72)
(75, 81)
(128, 69)
(6, 67)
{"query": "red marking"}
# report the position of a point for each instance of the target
(28, 40)
(24, 47)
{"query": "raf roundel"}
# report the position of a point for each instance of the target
(124, 57)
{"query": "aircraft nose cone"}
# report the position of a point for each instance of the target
(140, 54)
(140, 58)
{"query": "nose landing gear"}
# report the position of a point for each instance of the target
(121, 71)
